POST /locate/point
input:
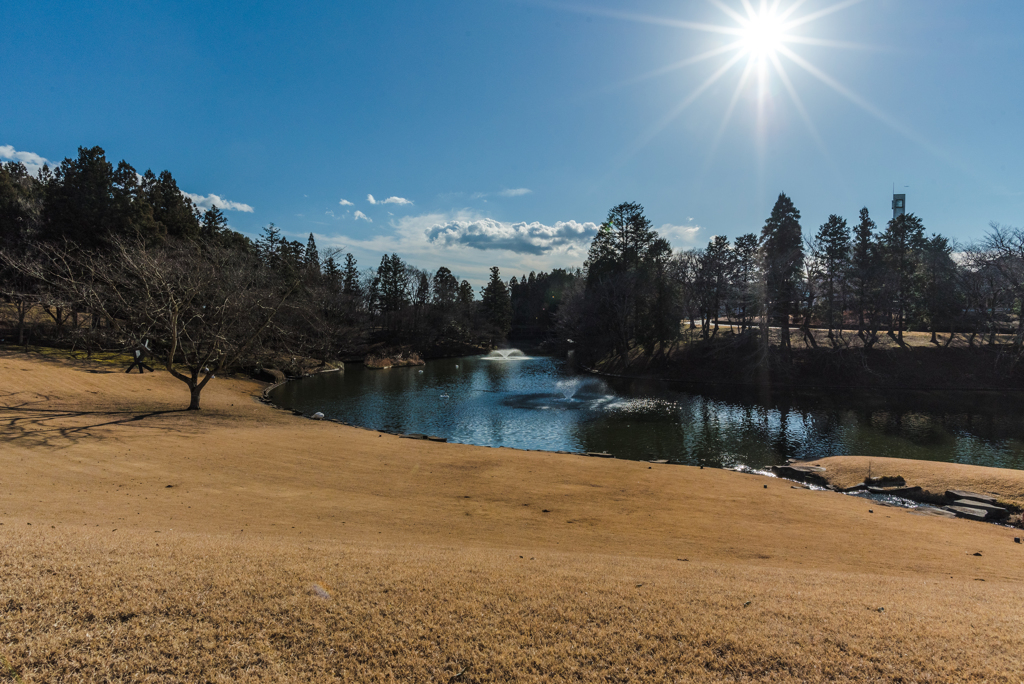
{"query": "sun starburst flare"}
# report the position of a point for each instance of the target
(760, 40)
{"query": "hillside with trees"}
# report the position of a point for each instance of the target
(95, 256)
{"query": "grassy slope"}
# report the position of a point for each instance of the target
(440, 558)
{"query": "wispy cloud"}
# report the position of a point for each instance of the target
(360, 215)
(508, 192)
(389, 200)
(682, 237)
(346, 203)
(205, 202)
(32, 161)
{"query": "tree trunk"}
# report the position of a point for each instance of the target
(22, 310)
(194, 390)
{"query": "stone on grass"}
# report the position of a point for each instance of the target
(994, 512)
(968, 512)
(954, 494)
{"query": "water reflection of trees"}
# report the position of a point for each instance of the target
(645, 420)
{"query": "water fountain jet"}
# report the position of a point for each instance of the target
(512, 354)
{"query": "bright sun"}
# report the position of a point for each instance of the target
(760, 41)
(762, 35)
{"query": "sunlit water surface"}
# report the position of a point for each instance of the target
(539, 403)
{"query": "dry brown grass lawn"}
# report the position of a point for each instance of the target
(440, 559)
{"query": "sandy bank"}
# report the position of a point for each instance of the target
(409, 534)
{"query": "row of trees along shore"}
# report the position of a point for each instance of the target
(97, 256)
(854, 282)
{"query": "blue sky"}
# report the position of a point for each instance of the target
(503, 131)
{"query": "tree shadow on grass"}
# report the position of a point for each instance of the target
(32, 424)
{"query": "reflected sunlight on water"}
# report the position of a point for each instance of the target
(538, 403)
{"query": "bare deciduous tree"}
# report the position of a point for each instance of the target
(201, 306)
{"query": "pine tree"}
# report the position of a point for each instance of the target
(834, 240)
(268, 246)
(422, 290)
(350, 277)
(782, 255)
(497, 304)
(311, 257)
(446, 289)
(864, 272)
(745, 273)
(626, 239)
(902, 243)
(332, 274)
(214, 223)
(465, 293)
(173, 212)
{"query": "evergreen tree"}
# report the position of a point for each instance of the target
(902, 243)
(350, 277)
(214, 223)
(446, 289)
(332, 274)
(311, 257)
(833, 239)
(497, 304)
(940, 296)
(174, 215)
(268, 246)
(713, 267)
(782, 256)
(422, 296)
(88, 202)
(864, 275)
(626, 239)
(465, 293)
(745, 273)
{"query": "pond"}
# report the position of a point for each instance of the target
(541, 403)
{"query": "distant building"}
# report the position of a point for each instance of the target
(899, 205)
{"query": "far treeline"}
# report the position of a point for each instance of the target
(97, 256)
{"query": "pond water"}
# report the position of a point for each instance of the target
(540, 403)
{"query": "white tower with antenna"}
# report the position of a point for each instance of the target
(899, 204)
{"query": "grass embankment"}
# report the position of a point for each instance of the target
(440, 558)
(730, 358)
(937, 478)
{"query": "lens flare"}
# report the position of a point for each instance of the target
(763, 35)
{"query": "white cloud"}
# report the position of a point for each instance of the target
(210, 200)
(522, 238)
(346, 203)
(681, 237)
(361, 215)
(516, 248)
(32, 161)
(389, 200)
